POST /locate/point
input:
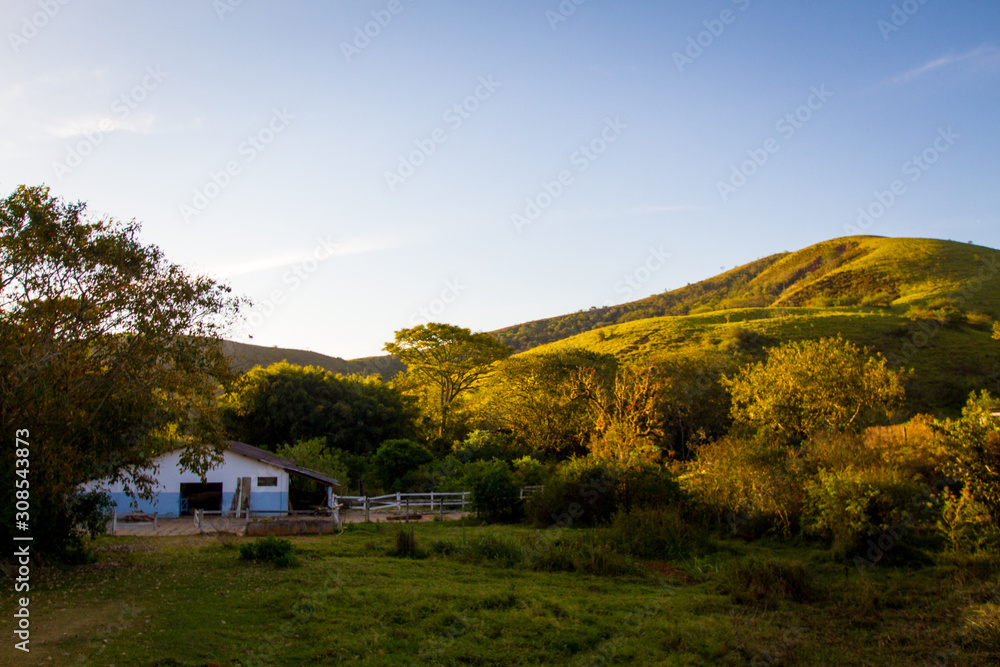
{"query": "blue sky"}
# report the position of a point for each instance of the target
(489, 163)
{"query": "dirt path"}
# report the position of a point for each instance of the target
(186, 525)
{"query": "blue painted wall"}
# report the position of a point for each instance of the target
(169, 504)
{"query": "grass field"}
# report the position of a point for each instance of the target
(192, 601)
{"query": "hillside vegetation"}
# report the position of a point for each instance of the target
(846, 272)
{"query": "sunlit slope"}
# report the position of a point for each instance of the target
(948, 361)
(845, 272)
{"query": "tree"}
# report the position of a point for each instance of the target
(396, 458)
(446, 359)
(533, 396)
(806, 387)
(109, 356)
(285, 403)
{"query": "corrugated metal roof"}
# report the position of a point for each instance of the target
(265, 456)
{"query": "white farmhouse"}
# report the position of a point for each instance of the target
(247, 477)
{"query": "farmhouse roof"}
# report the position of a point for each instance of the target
(265, 456)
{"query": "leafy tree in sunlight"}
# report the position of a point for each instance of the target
(974, 442)
(533, 396)
(807, 387)
(446, 360)
(109, 356)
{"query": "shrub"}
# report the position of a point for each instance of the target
(974, 443)
(852, 506)
(652, 534)
(765, 582)
(752, 486)
(580, 493)
(529, 471)
(964, 524)
(494, 489)
(268, 550)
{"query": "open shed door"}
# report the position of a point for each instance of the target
(197, 496)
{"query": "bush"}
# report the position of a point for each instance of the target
(651, 534)
(851, 506)
(753, 487)
(494, 489)
(580, 493)
(974, 444)
(964, 524)
(269, 550)
(529, 471)
(764, 582)
(395, 458)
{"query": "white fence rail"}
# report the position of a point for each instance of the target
(433, 502)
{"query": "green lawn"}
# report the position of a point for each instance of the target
(191, 601)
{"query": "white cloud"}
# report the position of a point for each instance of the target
(321, 251)
(979, 54)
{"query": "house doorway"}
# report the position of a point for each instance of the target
(196, 496)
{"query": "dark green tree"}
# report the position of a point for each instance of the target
(285, 403)
(109, 356)
(397, 458)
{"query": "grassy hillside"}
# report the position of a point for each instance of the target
(949, 361)
(244, 356)
(845, 272)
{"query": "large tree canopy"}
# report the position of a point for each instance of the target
(285, 403)
(811, 386)
(447, 359)
(535, 397)
(109, 355)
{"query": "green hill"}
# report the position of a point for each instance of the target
(845, 272)
(244, 356)
(925, 304)
(949, 360)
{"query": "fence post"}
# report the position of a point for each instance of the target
(368, 518)
(156, 520)
(114, 522)
(407, 509)
(399, 506)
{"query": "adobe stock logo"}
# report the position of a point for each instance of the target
(787, 126)
(249, 149)
(454, 116)
(581, 158)
(915, 168)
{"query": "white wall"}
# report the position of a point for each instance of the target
(170, 477)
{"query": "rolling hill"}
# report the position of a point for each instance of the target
(244, 356)
(926, 304)
(851, 271)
